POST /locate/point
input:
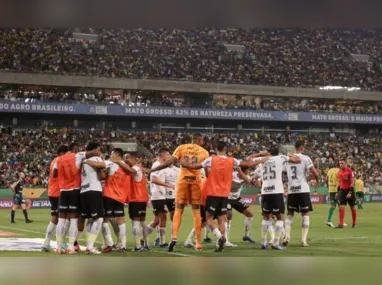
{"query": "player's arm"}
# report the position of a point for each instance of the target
(293, 158)
(167, 163)
(91, 153)
(314, 171)
(254, 163)
(155, 179)
(94, 164)
(243, 176)
(13, 187)
(260, 154)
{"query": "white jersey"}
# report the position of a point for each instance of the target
(158, 192)
(271, 175)
(171, 177)
(297, 174)
(89, 177)
(237, 183)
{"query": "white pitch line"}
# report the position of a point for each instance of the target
(161, 252)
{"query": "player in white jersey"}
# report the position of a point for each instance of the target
(240, 177)
(158, 199)
(272, 196)
(299, 193)
(171, 177)
(91, 197)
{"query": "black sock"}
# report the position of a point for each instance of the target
(25, 214)
(12, 216)
(75, 243)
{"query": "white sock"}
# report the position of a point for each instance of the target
(288, 227)
(92, 235)
(162, 237)
(191, 236)
(67, 225)
(278, 231)
(206, 232)
(123, 234)
(158, 232)
(145, 233)
(115, 226)
(305, 228)
(271, 230)
(73, 229)
(137, 233)
(264, 232)
(60, 232)
(247, 226)
(49, 233)
(106, 232)
(150, 229)
(227, 229)
(89, 225)
(217, 233)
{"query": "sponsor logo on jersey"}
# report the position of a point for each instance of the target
(269, 188)
(295, 188)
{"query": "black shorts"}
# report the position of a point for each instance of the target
(69, 201)
(273, 204)
(113, 208)
(159, 207)
(216, 206)
(238, 204)
(170, 204)
(137, 209)
(18, 199)
(344, 200)
(54, 201)
(92, 205)
(299, 202)
(203, 214)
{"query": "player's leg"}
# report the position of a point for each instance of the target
(212, 208)
(94, 225)
(362, 200)
(306, 208)
(74, 214)
(278, 208)
(13, 211)
(351, 202)
(119, 215)
(333, 203)
(228, 225)
(52, 224)
(182, 199)
(292, 206)
(343, 201)
(63, 215)
(189, 241)
(85, 214)
(248, 225)
(143, 225)
(106, 232)
(162, 215)
(195, 194)
(25, 212)
(155, 223)
(267, 220)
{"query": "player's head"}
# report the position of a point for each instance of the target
(187, 139)
(163, 154)
(274, 151)
(299, 146)
(359, 177)
(221, 147)
(117, 152)
(93, 146)
(62, 149)
(212, 152)
(22, 175)
(343, 164)
(74, 147)
(245, 170)
(130, 159)
(197, 139)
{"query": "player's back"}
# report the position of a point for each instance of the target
(117, 183)
(53, 188)
(69, 175)
(89, 177)
(192, 154)
(333, 179)
(358, 185)
(297, 173)
(271, 175)
(221, 176)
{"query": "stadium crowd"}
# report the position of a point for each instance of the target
(31, 151)
(290, 104)
(294, 58)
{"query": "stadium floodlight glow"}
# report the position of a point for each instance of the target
(339, 88)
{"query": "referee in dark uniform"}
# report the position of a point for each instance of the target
(346, 193)
(18, 200)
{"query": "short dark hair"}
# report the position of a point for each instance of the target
(162, 150)
(197, 136)
(244, 168)
(220, 145)
(298, 144)
(62, 149)
(72, 146)
(274, 150)
(119, 151)
(133, 154)
(92, 146)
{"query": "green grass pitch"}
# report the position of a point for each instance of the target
(365, 240)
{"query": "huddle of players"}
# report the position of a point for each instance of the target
(76, 193)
